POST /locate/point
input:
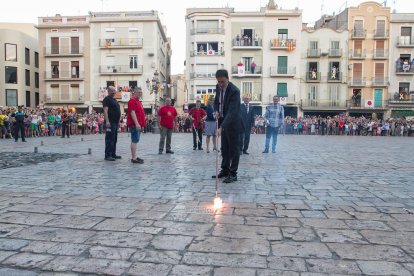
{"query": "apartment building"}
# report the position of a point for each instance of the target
(129, 49)
(64, 42)
(258, 49)
(368, 57)
(324, 71)
(19, 67)
(401, 96)
(179, 92)
(83, 55)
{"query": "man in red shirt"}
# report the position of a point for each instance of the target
(166, 121)
(197, 115)
(135, 122)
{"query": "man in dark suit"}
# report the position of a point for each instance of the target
(248, 121)
(227, 107)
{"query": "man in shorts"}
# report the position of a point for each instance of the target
(136, 122)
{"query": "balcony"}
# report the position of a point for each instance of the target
(257, 72)
(334, 76)
(255, 96)
(73, 97)
(365, 104)
(247, 44)
(404, 69)
(313, 76)
(380, 81)
(323, 104)
(64, 76)
(283, 44)
(357, 82)
(114, 43)
(358, 34)
(207, 31)
(284, 72)
(206, 53)
(120, 70)
(401, 100)
(357, 54)
(381, 34)
(405, 41)
(380, 54)
(335, 52)
(313, 53)
(63, 51)
(203, 75)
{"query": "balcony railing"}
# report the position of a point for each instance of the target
(207, 31)
(335, 52)
(120, 69)
(64, 75)
(283, 44)
(401, 99)
(71, 97)
(63, 51)
(380, 81)
(405, 41)
(365, 104)
(404, 69)
(357, 82)
(206, 53)
(357, 54)
(380, 54)
(203, 75)
(380, 34)
(358, 33)
(121, 43)
(256, 72)
(255, 96)
(282, 71)
(247, 43)
(313, 76)
(334, 76)
(314, 52)
(323, 103)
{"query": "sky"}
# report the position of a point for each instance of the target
(172, 12)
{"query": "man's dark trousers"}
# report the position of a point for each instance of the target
(111, 137)
(65, 130)
(197, 132)
(230, 152)
(245, 140)
(19, 127)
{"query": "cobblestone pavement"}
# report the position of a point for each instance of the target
(319, 206)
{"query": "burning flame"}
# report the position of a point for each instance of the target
(218, 203)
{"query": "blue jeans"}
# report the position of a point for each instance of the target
(271, 132)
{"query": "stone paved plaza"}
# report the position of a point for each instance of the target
(319, 206)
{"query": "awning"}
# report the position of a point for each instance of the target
(282, 90)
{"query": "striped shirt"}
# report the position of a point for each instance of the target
(275, 115)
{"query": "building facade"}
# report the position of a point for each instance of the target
(179, 92)
(401, 91)
(127, 49)
(65, 62)
(257, 48)
(324, 72)
(19, 65)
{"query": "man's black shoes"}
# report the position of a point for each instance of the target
(230, 178)
(109, 159)
(221, 174)
(117, 157)
(169, 151)
(245, 152)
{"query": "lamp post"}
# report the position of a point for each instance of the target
(155, 84)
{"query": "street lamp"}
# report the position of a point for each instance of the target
(155, 85)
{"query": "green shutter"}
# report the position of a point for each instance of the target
(282, 64)
(282, 90)
(282, 31)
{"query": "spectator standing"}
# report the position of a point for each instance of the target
(274, 115)
(166, 120)
(112, 114)
(135, 122)
(197, 116)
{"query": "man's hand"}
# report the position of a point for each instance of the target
(108, 124)
(219, 132)
(217, 115)
(138, 127)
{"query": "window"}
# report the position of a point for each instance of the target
(110, 83)
(313, 49)
(27, 56)
(282, 62)
(282, 34)
(36, 59)
(36, 80)
(10, 52)
(55, 69)
(206, 25)
(11, 74)
(404, 87)
(206, 47)
(74, 45)
(55, 45)
(11, 97)
(313, 95)
(206, 90)
(334, 95)
(27, 98)
(37, 99)
(380, 31)
(27, 76)
(247, 88)
(133, 84)
(247, 32)
(358, 28)
(74, 65)
(357, 72)
(282, 89)
(247, 61)
(334, 73)
(133, 62)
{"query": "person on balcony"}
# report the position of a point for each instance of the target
(256, 40)
(201, 50)
(238, 40)
(252, 66)
(334, 71)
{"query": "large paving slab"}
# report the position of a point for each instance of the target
(319, 206)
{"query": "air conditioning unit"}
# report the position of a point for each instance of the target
(150, 54)
(324, 53)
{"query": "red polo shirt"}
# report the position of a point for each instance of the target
(167, 114)
(197, 114)
(136, 106)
